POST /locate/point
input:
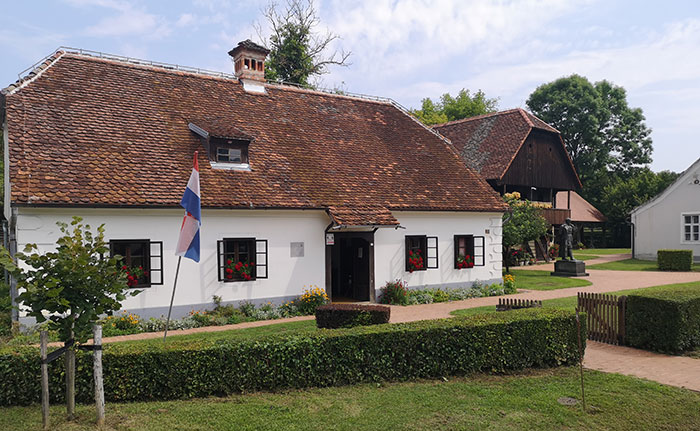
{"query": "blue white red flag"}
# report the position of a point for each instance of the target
(188, 243)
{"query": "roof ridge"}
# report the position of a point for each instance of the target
(61, 51)
(477, 117)
(526, 117)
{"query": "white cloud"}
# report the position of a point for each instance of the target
(398, 37)
(128, 23)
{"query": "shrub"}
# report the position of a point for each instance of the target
(494, 342)
(349, 315)
(123, 324)
(311, 299)
(394, 293)
(674, 260)
(509, 284)
(5, 308)
(667, 321)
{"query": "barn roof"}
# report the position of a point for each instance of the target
(581, 210)
(490, 142)
(88, 131)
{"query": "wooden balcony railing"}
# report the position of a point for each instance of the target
(555, 216)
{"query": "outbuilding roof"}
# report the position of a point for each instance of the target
(87, 131)
(490, 142)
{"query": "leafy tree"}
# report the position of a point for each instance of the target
(522, 223)
(621, 195)
(449, 108)
(602, 133)
(296, 49)
(74, 285)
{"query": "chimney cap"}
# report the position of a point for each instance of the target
(250, 46)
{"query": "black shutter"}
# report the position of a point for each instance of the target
(431, 252)
(479, 251)
(155, 272)
(261, 258)
(220, 259)
(407, 249)
(456, 249)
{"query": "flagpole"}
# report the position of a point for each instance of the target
(172, 298)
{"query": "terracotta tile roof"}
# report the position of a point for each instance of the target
(581, 210)
(220, 128)
(361, 216)
(98, 132)
(490, 142)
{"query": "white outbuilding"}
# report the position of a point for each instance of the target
(671, 220)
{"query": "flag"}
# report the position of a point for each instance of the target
(188, 243)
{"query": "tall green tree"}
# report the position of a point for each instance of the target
(450, 108)
(601, 131)
(621, 195)
(298, 51)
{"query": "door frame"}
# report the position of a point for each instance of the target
(366, 235)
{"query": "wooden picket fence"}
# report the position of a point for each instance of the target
(514, 304)
(605, 316)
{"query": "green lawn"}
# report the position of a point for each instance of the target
(526, 400)
(633, 265)
(571, 301)
(541, 280)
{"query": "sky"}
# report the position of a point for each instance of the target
(410, 49)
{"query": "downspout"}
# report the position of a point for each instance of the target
(633, 228)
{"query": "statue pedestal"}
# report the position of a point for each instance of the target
(569, 268)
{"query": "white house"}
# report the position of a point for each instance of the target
(313, 188)
(671, 220)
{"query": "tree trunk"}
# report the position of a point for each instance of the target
(506, 259)
(70, 381)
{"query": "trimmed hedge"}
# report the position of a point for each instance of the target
(348, 315)
(674, 260)
(494, 342)
(667, 321)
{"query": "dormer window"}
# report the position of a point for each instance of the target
(225, 155)
(227, 146)
(230, 151)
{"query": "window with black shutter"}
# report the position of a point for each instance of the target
(140, 255)
(416, 252)
(242, 259)
(463, 251)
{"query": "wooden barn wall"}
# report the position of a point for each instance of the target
(541, 162)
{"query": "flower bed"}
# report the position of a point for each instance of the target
(397, 292)
(128, 323)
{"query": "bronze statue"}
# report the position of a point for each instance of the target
(566, 240)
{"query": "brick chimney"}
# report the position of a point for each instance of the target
(249, 60)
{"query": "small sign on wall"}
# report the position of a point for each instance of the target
(330, 239)
(296, 249)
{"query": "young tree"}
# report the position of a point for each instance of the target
(450, 108)
(70, 287)
(522, 223)
(297, 51)
(601, 132)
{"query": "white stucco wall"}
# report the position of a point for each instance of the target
(390, 245)
(659, 224)
(287, 275)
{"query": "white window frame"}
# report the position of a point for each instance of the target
(692, 224)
